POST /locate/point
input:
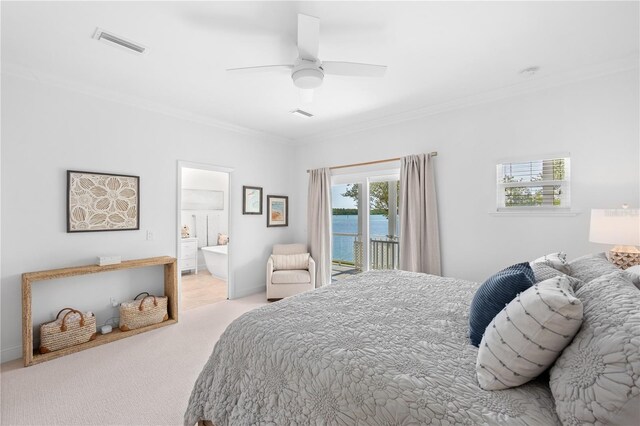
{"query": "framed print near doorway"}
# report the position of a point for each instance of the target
(277, 210)
(251, 200)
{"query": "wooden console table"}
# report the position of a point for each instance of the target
(170, 290)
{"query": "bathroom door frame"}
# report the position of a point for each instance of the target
(212, 168)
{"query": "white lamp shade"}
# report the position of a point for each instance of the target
(615, 226)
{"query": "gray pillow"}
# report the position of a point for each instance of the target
(543, 272)
(596, 379)
(591, 266)
(633, 274)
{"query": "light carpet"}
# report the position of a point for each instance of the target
(141, 380)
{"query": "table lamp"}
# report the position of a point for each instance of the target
(619, 227)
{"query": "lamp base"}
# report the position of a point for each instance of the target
(624, 256)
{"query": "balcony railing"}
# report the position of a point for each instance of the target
(346, 255)
(384, 252)
(347, 249)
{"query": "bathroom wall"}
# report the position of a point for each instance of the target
(218, 219)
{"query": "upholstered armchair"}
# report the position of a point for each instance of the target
(290, 270)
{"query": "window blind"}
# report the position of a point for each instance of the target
(534, 184)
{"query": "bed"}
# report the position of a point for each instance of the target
(382, 347)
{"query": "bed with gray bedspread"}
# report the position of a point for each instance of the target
(383, 347)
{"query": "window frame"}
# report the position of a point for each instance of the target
(564, 184)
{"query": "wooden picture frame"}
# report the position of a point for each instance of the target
(251, 200)
(277, 210)
(102, 202)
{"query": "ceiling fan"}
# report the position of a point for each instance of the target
(308, 71)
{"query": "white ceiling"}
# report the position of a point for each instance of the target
(436, 52)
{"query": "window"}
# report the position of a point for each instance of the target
(534, 184)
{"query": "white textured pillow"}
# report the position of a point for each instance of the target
(555, 260)
(290, 261)
(527, 336)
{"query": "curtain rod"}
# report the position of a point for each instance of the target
(388, 160)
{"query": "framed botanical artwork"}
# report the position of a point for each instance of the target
(102, 202)
(277, 210)
(251, 200)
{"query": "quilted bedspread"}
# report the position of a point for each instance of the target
(381, 348)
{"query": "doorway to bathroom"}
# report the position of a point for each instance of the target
(203, 234)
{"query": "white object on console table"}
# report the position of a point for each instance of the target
(109, 260)
(189, 255)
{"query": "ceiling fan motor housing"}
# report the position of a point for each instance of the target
(307, 75)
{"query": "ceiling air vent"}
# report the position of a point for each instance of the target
(113, 39)
(302, 113)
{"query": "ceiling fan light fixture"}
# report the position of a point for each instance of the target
(307, 78)
(307, 72)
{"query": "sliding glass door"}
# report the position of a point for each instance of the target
(365, 223)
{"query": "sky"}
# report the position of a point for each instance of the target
(340, 202)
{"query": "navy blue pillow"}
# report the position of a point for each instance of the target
(494, 294)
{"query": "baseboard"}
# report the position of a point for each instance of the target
(238, 293)
(10, 354)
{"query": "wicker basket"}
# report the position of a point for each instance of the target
(140, 313)
(73, 329)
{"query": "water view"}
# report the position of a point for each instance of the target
(348, 224)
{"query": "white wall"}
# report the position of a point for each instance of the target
(219, 219)
(47, 130)
(595, 120)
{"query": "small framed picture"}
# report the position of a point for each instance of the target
(277, 210)
(102, 202)
(251, 200)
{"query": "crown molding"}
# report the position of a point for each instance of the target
(529, 86)
(136, 102)
(537, 84)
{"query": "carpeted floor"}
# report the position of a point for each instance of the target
(202, 289)
(141, 380)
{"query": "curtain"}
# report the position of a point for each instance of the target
(319, 223)
(419, 236)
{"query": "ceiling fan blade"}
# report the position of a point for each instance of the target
(306, 96)
(308, 37)
(261, 68)
(353, 69)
